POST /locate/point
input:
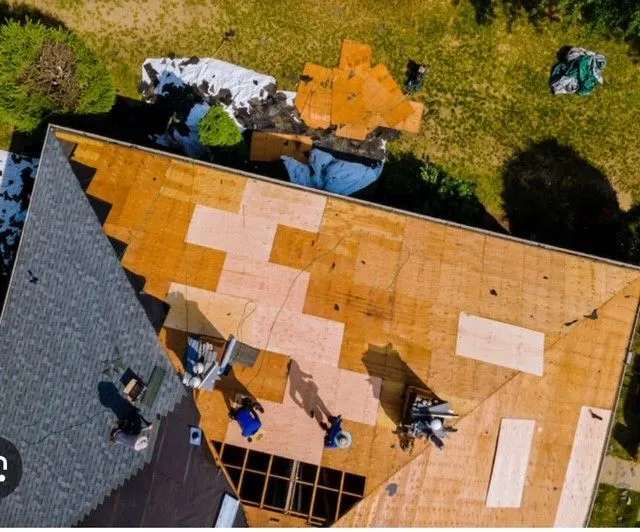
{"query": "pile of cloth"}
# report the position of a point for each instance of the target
(326, 172)
(580, 72)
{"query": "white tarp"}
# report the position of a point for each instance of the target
(213, 78)
(14, 171)
(210, 75)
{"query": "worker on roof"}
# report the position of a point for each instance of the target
(336, 437)
(248, 418)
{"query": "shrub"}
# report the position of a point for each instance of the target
(46, 70)
(218, 130)
(450, 197)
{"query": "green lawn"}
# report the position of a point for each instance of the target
(615, 508)
(625, 441)
(486, 95)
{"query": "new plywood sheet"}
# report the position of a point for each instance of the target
(264, 282)
(297, 335)
(241, 234)
(355, 396)
(510, 463)
(500, 343)
(283, 205)
(582, 472)
(314, 392)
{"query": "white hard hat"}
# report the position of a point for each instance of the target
(195, 382)
(343, 440)
(435, 424)
(198, 368)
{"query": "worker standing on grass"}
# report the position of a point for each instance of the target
(336, 437)
(248, 418)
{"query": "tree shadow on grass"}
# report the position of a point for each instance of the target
(536, 11)
(23, 12)
(403, 185)
(129, 120)
(554, 196)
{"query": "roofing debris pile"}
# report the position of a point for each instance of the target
(192, 86)
(354, 108)
(16, 180)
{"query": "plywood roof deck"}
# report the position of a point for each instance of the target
(357, 296)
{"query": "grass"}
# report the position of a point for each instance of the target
(625, 439)
(486, 94)
(615, 507)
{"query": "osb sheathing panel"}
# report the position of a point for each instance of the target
(355, 97)
(397, 285)
(354, 55)
(584, 368)
(269, 146)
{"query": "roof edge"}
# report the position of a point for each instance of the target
(365, 203)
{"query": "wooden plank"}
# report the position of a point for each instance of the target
(510, 463)
(282, 205)
(269, 146)
(582, 472)
(500, 343)
(246, 236)
(355, 55)
(228, 511)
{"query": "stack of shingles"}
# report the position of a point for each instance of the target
(356, 98)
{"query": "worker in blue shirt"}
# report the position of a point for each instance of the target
(336, 437)
(248, 418)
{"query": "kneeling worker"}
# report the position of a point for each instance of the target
(337, 438)
(248, 418)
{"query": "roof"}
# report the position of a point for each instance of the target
(350, 304)
(355, 97)
(178, 472)
(69, 320)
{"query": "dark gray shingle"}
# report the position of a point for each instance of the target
(59, 336)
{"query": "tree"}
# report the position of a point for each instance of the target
(218, 130)
(46, 70)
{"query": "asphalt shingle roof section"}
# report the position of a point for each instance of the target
(184, 474)
(71, 320)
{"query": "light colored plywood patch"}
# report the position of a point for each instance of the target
(283, 205)
(314, 392)
(264, 282)
(582, 473)
(510, 463)
(241, 234)
(298, 335)
(500, 343)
